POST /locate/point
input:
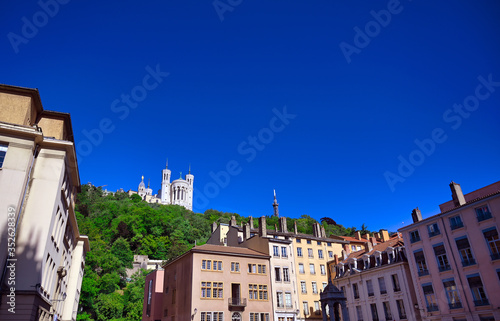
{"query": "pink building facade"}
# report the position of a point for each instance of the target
(153, 296)
(454, 257)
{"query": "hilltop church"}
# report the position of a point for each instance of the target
(178, 192)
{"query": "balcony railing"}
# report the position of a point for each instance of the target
(237, 302)
(495, 256)
(383, 291)
(468, 262)
(483, 216)
(423, 272)
(456, 225)
(397, 289)
(431, 234)
(481, 302)
(456, 305)
(431, 308)
(371, 294)
(445, 267)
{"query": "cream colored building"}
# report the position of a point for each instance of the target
(42, 254)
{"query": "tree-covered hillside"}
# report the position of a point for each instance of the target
(120, 226)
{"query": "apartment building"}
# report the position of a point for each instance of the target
(42, 256)
(217, 283)
(454, 257)
(376, 282)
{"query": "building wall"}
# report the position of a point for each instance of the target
(153, 296)
(484, 265)
(307, 276)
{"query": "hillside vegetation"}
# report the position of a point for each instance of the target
(120, 226)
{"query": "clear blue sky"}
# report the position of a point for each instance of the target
(361, 81)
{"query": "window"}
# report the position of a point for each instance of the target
(257, 268)
(369, 287)
(456, 222)
(401, 309)
(381, 285)
(491, 237)
(3, 151)
(283, 252)
(279, 299)
(421, 265)
(319, 242)
(483, 213)
(206, 264)
(320, 254)
(276, 250)
(277, 273)
(330, 253)
(310, 253)
(464, 249)
(476, 287)
(452, 293)
(322, 269)
(299, 252)
(261, 268)
(359, 313)
(212, 316)
(325, 284)
(288, 299)
(314, 287)
(311, 268)
(301, 268)
(387, 310)
(328, 244)
(353, 247)
(373, 308)
(317, 309)
(252, 292)
(297, 240)
(286, 275)
(395, 283)
(303, 288)
(206, 289)
(252, 268)
(433, 230)
(217, 265)
(308, 241)
(306, 308)
(441, 258)
(235, 267)
(430, 298)
(254, 317)
(355, 290)
(414, 236)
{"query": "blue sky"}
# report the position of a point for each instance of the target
(359, 111)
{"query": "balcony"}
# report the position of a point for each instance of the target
(383, 291)
(371, 294)
(397, 289)
(432, 308)
(456, 305)
(495, 256)
(456, 225)
(445, 267)
(237, 303)
(468, 262)
(481, 302)
(423, 272)
(434, 233)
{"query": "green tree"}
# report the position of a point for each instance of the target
(121, 249)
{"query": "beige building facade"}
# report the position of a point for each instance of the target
(42, 253)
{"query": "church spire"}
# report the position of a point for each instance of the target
(166, 165)
(275, 205)
(149, 181)
(189, 169)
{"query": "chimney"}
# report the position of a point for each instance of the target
(374, 240)
(316, 230)
(250, 221)
(370, 246)
(246, 232)
(214, 227)
(282, 222)
(323, 232)
(367, 236)
(416, 215)
(358, 235)
(262, 226)
(385, 235)
(233, 221)
(456, 194)
(376, 235)
(336, 259)
(275, 227)
(295, 226)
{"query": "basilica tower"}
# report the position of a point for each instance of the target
(165, 186)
